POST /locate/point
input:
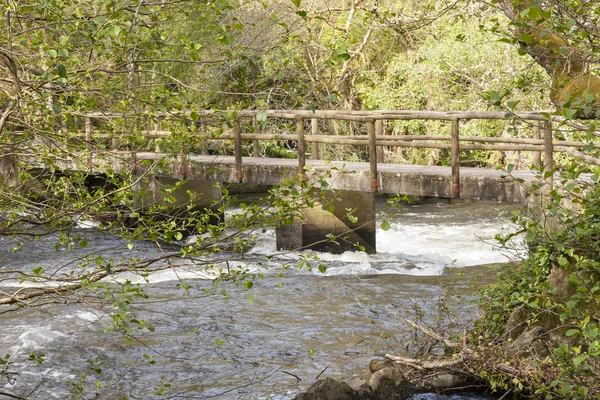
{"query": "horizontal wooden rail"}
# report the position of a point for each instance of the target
(400, 140)
(346, 115)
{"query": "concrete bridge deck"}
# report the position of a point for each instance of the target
(417, 180)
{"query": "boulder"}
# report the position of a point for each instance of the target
(390, 383)
(444, 381)
(328, 389)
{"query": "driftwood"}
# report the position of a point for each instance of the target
(464, 363)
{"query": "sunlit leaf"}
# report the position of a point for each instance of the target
(385, 225)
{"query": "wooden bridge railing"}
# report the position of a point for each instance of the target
(542, 142)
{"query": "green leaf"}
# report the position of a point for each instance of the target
(296, 2)
(327, 207)
(506, 40)
(56, 108)
(569, 113)
(525, 38)
(562, 261)
(322, 268)
(572, 332)
(534, 12)
(248, 284)
(38, 270)
(261, 116)
(579, 359)
(250, 297)
(62, 71)
(52, 53)
(331, 97)
(512, 104)
(302, 14)
(341, 51)
(385, 225)
(114, 30)
(225, 39)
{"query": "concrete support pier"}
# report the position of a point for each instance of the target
(8, 170)
(162, 191)
(350, 225)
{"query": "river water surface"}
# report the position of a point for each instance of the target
(300, 325)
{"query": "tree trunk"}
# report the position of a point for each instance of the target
(573, 85)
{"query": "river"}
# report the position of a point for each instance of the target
(298, 325)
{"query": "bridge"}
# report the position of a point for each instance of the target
(238, 138)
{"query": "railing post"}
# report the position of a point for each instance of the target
(379, 132)
(455, 159)
(301, 149)
(314, 125)
(537, 155)
(157, 128)
(88, 138)
(373, 156)
(88, 133)
(204, 141)
(255, 144)
(114, 142)
(183, 166)
(237, 145)
(156, 141)
(548, 154)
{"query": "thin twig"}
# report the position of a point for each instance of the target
(345, 351)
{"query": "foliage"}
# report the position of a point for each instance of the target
(558, 286)
(450, 70)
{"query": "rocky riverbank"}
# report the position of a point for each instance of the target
(388, 383)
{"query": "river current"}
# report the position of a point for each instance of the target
(296, 327)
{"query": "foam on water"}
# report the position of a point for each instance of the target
(33, 338)
(84, 315)
(167, 275)
(465, 244)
